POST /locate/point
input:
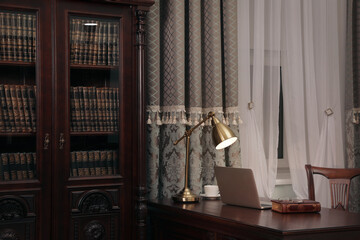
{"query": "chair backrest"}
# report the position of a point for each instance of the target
(339, 180)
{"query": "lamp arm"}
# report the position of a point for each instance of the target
(189, 132)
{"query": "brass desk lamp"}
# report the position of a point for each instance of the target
(222, 136)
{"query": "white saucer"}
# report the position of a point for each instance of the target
(210, 197)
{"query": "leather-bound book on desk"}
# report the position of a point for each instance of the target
(295, 206)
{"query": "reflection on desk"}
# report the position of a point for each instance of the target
(215, 220)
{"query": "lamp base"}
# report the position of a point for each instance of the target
(186, 196)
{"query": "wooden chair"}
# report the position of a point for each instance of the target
(339, 180)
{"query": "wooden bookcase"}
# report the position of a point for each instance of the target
(72, 138)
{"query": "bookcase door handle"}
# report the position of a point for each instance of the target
(61, 141)
(46, 141)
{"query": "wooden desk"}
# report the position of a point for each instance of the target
(215, 220)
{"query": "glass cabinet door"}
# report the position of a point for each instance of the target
(94, 96)
(18, 95)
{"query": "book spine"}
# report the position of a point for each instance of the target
(116, 44)
(79, 160)
(19, 37)
(26, 108)
(4, 109)
(86, 109)
(82, 109)
(72, 110)
(74, 167)
(85, 159)
(107, 110)
(13, 36)
(97, 163)
(115, 162)
(19, 175)
(32, 105)
(72, 40)
(91, 31)
(9, 46)
(112, 109)
(117, 109)
(92, 102)
(10, 108)
(33, 34)
(5, 166)
(103, 168)
(110, 162)
(24, 172)
(77, 122)
(99, 109)
(91, 163)
(96, 43)
(24, 37)
(34, 163)
(12, 167)
(2, 36)
(30, 165)
(16, 112)
(20, 108)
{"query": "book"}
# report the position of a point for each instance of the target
(100, 112)
(107, 109)
(12, 166)
(85, 163)
(14, 101)
(115, 162)
(2, 36)
(19, 175)
(92, 103)
(117, 109)
(82, 110)
(295, 206)
(26, 108)
(110, 162)
(5, 167)
(111, 109)
(72, 110)
(9, 46)
(22, 124)
(91, 157)
(97, 163)
(23, 168)
(86, 102)
(20, 50)
(33, 38)
(4, 110)
(34, 162)
(77, 117)
(96, 43)
(103, 168)
(74, 167)
(10, 108)
(30, 165)
(32, 106)
(79, 160)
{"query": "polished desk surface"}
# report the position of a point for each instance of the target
(328, 220)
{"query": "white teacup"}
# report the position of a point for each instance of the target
(211, 190)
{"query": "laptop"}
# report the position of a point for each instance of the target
(237, 187)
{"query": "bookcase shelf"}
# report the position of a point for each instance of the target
(93, 133)
(94, 67)
(10, 134)
(17, 63)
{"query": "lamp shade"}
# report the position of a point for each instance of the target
(222, 134)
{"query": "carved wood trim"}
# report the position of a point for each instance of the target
(140, 198)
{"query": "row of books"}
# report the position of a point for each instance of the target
(17, 36)
(18, 108)
(94, 42)
(94, 109)
(93, 163)
(17, 166)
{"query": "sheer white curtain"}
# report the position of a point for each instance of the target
(259, 34)
(313, 83)
(307, 33)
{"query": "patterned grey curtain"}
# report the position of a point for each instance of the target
(352, 99)
(191, 70)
